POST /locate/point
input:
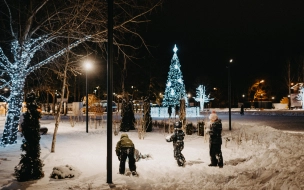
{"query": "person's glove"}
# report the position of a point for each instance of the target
(168, 138)
(119, 158)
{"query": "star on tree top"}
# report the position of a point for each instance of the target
(175, 48)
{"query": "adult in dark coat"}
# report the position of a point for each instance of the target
(215, 141)
(170, 111)
(125, 149)
(242, 110)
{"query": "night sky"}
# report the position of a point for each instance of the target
(258, 35)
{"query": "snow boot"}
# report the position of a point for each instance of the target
(134, 173)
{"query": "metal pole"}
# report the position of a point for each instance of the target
(110, 91)
(87, 101)
(229, 94)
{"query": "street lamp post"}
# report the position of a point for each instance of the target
(133, 89)
(261, 94)
(109, 91)
(229, 93)
(87, 67)
(261, 107)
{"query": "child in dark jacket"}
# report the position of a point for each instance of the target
(125, 149)
(178, 143)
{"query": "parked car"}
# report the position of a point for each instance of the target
(104, 104)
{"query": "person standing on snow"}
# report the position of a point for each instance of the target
(170, 111)
(215, 140)
(178, 143)
(125, 149)
(176, 110)
(242, 110)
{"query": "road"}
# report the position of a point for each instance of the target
(286, 123)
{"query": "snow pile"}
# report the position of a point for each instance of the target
(61, 172)
(271, 159)
(255, 157)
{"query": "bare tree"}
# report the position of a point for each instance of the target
(65, 72)
(301, 70)
(30, 27)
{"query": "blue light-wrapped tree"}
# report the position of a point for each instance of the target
(30, 165)
(175, 87)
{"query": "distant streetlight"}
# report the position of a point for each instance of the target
(133, 89)
(261, 95)
(114, 95)
(88, 66)
(229, 93)
(109, 91)
(97, 88)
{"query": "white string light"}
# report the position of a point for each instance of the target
(18, 71)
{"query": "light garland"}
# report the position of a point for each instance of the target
(201, 96)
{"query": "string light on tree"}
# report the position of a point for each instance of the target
(201, 96)
(300, 96)
(16, 71)
(175, 87)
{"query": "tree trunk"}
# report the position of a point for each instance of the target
(53, 103)
(13, 115)
(47, 102)
(75, 89)
(289, 83)
(67, 96)
(57, 116)
(59, 107)
(182, 115)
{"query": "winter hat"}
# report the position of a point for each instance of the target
(178, 124)
(213, 116)
(124, 135)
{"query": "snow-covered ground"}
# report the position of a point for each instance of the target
(255, 157)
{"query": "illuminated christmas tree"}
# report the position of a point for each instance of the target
(175, 87)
